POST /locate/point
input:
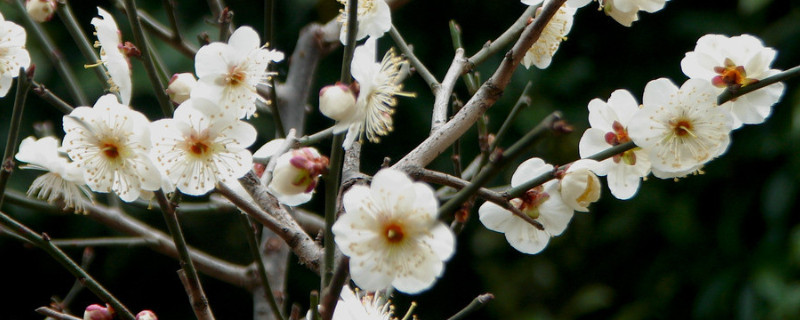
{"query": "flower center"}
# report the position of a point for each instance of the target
(617, 137)
(198, 148)
(530, 201)
(394, 233)
(682, 127)
(731, 75)
(235, 76)
(110, 150)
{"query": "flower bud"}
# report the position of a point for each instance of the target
(180, 86)
(146, 315)
(337, 102)
(98, 312)
(579, 186)
(296, 175)
(40, 10)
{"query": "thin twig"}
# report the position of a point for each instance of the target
(49, 312)
(74, 28)
(259, 261)
(314, 138)
(426, 75)
(149, 64)
(476, 304)
(43, 242)
(192, 282)
(507, 37)
(23, 85)
(442, 100)
(732, 93)
(173, 38)
(56, 57)
(330, 296)
(116, 219)
(523, 102)
(272, 215)
(48, 96)
(102, 242)
(486, 96)
(499, 162)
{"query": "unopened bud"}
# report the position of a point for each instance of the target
(297, 173)
(337, 101)
(97, 312)
(40, 10)
(180, 86)
(580, 186)
(146, 315)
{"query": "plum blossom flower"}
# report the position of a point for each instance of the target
(374, 19)
(113, 54)
(13, 54)
(200, 146)
(98, 312)
(229, 72)
(542, 203)
(627, 11)
(111, 143)
(391, 234)
(379, 84)
(337, 101)
(736, 62)
(542, 51)
(571, 3)
(680, 128)
(296, 172)
(610, 121)
(579, 186)
(63, 180)
(146, 315)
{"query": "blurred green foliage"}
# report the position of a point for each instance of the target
(725, 244)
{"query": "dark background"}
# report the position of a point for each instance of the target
(725, 244)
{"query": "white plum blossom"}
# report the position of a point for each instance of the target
(229, 72)
(610, 121)
(627, 11)
(13, 54)
(541, 52)
(571, 3)
(201, 146)
(374, 19)
(111, 143)
(680, 128)
(579, 186)
(542, 203)
(368, 307)
(180, 87)
(391, 234)
(113, 55)
(736, 62)
(379, 84)
(63, 180)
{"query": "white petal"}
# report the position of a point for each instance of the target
(528, 170)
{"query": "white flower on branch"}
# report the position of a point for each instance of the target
(391, 234)
(13, 54)
(379, 83)
(541, 53)
(627, 11)
(680, 129)
(368, 307)
(542, 203)
(374, 19)
(229, 72)
(63, 180)
(111, 143)
(113, 54)
(736, 62)
(296, 172)
(609, 121)
(579, 186)
(201, 146)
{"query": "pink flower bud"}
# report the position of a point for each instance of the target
(180, 86)
(98, 312)
(146, 315)
(40, 10)
(296, 173)
(337, 102)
